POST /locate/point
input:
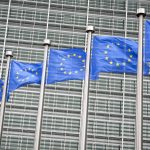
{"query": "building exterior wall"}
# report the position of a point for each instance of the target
(111, 121)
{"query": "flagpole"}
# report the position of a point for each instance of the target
(41, 100)
(84, 106)
(4, 95)
(139, 94)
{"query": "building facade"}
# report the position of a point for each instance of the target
(24, 24)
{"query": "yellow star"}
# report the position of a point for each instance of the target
(108, 46)
(105, 52)
(36, 73)
(131, 56)
(79, 56)
(68, 56)
(74, 54)
(123, 63)
(61, 68)
(83, 60)
(70, 73)
(76, 71)
(65, 72)
(129, 60)
(106, 58)
(129, 50)
(111, 62)
(117, 64)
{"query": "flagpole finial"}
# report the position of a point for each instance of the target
(9, 53)
(90, 28)
(47, 42)
(141, 11)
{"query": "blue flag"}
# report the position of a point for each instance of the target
(22, 74)
(147, 41)
(114, 54)
(1, 89)
(66, 64)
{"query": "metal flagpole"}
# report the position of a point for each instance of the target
(4, 95)
(41, 100)
(124, 83)
(84, 107)
(139, 94)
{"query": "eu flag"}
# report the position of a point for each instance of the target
(22, 74)
(114, 54)
(1, 89)
(66, 64)
(147, 41)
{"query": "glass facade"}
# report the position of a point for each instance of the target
(24, 24)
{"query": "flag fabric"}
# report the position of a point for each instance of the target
(1, 89)
(66, 64)
(147, 41)
(22, 74)
(114, 54)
